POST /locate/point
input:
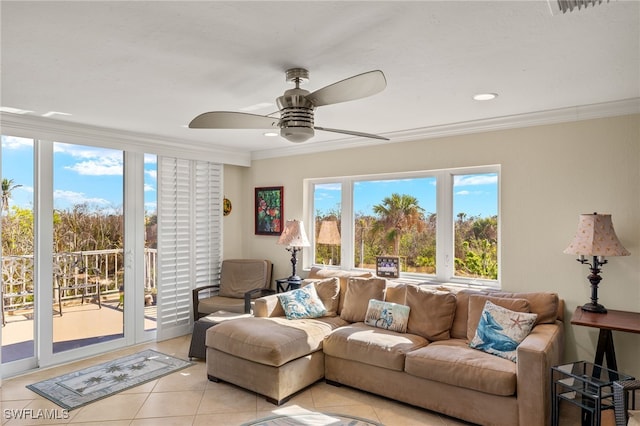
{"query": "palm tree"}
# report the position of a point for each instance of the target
(7, 187)
(398, 214)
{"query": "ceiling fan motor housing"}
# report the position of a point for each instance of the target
(296, 115)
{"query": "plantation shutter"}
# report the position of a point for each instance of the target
(189, 237)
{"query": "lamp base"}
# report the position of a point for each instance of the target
(596, 308)
(294, 278)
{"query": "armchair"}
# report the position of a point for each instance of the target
(240, 281)
(621, 389)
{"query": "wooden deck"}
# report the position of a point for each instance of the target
(80, 325)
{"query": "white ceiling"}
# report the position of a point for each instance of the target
(150, 67)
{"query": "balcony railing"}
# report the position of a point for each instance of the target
(78, 274)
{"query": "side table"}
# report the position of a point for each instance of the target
(285, 284)
(586, 385)
(611, 321)
(198, 349)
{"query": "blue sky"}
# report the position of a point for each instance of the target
(475, 195)
(82, 174)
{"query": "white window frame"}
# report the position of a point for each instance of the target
(445, 269)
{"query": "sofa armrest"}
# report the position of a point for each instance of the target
(195, 296)
(538, 352)
(266, 306)
(252, 294)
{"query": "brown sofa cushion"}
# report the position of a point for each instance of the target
(271, 341)
(329, 292)
(476, 305)
(454, 362)
(373, 346)
(431, 313)
(460, 321)
(545, 304)
(356, 298)
(395, 293)
(320, 273)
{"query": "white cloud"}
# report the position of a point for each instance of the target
(150, 159)
(153, 174)
(73, 197)
(12, 142)
(149, 188)
(471, 180)
(463, 193)
(107, 166)
(329, 186)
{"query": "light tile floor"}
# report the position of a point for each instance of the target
(188, 398)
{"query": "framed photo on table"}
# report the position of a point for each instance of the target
(388, 266)
(269, 210)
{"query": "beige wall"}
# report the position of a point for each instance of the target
(550, 174)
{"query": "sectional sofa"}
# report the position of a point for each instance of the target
(429, 364)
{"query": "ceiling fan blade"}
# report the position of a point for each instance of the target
(352, 88)
(351, 132)
(232, 120)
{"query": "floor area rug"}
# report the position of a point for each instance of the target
(313, 419)
(73, 390)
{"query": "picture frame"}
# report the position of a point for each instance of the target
(269, 210)
(388, 266)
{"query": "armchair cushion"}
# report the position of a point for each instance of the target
(238, 276)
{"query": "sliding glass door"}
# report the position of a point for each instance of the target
(88, 238)
(17, 285)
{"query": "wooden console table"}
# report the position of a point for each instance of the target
(613, 320)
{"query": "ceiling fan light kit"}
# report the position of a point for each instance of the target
(296, 107)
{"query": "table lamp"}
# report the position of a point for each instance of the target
(329, 235)
(595, 238)
(295, 238)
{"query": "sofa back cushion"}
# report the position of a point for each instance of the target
(431, 312)
(460, 321)
(395, 293)
(329, 292)
(320, 273)
(476, 305)
(545, 304)
(356, 299)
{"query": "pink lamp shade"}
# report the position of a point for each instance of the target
(294, 235)
(595, 237)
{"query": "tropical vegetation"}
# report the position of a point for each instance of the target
(399, 226)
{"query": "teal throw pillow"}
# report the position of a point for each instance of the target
(302, 303)
(501, 330)
(387, 315)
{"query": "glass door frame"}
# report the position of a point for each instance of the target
(134, 213)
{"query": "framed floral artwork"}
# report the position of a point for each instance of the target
(269, 210)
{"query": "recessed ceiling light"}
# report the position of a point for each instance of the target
(485, 96)
(271, 134)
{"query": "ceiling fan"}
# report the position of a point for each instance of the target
(296, 107)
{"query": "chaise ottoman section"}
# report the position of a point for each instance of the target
(274, 357)
(271, 341)
(453, 362)
(373, 346)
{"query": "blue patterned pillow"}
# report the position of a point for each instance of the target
(387, 315)
(302, 303)
(501, 330)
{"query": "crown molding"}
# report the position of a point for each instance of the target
(540, 118)
(56, 130)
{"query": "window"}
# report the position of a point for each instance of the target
(443, 224)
